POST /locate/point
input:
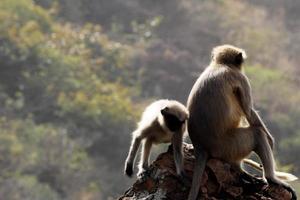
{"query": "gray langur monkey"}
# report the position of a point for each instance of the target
(162, 121)
(218, 103)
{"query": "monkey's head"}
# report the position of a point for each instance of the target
(228, 55)
(175, 116)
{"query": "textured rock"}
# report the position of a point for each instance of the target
(219, 181)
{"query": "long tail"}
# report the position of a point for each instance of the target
(200, 162)
(281, 175)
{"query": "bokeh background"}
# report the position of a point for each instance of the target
(76, 74)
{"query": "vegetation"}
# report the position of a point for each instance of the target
(74, 77)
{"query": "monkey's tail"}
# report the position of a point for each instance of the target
(281, 175)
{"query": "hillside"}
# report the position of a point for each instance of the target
(75, 77)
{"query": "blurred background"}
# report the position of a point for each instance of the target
(75, 76)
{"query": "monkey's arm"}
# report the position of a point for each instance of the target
(243, 94)
(138, 135)
(255, 120)
(177, 152)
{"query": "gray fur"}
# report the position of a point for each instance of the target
(152, 129)
(218, 101)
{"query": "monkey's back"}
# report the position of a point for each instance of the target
(149, 122)
(155, 128)
(213, 107)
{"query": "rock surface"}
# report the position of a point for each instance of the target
(219, 181)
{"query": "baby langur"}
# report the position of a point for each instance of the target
(163, 121)
(218, 102)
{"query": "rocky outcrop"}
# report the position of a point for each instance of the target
(219, 181)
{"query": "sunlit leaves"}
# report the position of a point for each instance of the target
(57, 80)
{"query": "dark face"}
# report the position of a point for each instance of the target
(172, 122)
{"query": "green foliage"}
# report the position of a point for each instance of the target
(281, 115)
(75, 75)
(59, 83)
(275, 84)
(29, 161)
(26, 187)
(17, 13)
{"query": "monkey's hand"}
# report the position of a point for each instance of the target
(128, 169)
(276, 181)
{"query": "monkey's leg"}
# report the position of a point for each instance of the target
(136, 141)
(146, 148)
(264, 151)
(199, 165)
(235, 145)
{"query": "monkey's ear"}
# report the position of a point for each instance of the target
(164, 111)
(239, 59)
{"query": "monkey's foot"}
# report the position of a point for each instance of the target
(185, 179)
(143, 175)
(284, 185)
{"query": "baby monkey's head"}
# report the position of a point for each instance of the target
(175, 115)
(228, 55)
